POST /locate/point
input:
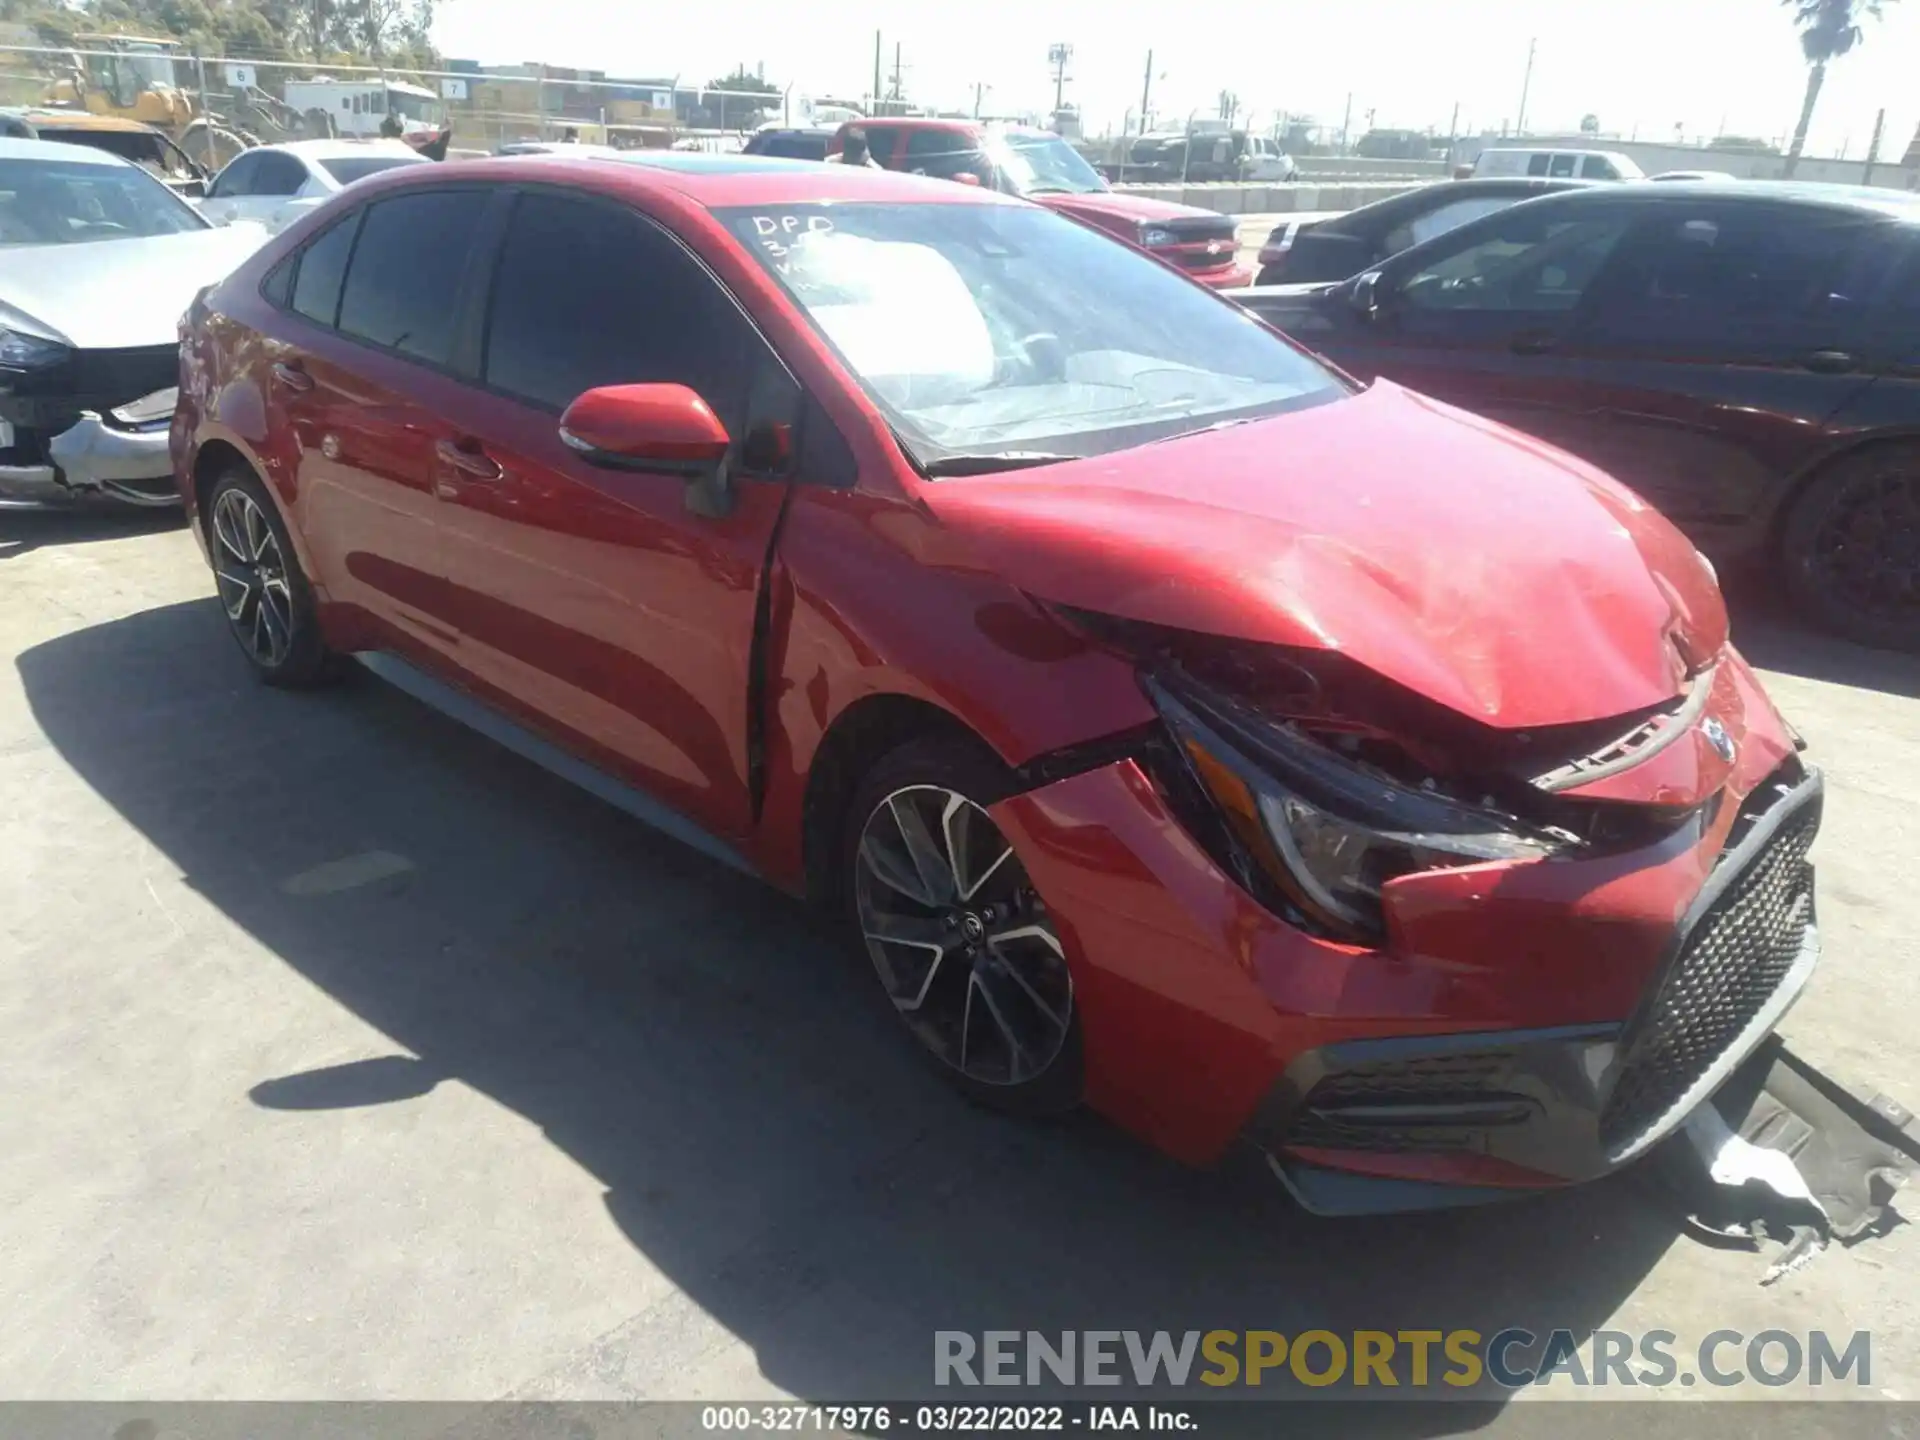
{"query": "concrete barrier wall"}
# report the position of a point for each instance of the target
(1245, 199)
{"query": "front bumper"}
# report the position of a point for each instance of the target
(91, 460)
(1527, 1025)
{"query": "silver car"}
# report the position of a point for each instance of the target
(98, 261)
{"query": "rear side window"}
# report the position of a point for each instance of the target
(405, 276)
(588, 295)
(1720, 274)
(1537, 164)
(323, 264)
(1563, 166)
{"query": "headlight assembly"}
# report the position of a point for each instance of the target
(21, 351)
(1154, 236)
(1329, 832)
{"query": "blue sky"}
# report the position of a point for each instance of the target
(1710, 62)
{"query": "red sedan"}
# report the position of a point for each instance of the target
(1176, 726)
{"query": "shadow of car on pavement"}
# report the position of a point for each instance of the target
(706, 1050)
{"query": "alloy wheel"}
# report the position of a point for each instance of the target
(251, 573)
(1866, 552)
(959, 938)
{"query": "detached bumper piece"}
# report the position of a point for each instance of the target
(1416, 1122)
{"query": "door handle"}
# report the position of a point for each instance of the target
(1829, 362)
(466, 456)
(1534, 342)
(292, 376)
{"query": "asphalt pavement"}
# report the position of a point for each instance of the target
(346, 1055)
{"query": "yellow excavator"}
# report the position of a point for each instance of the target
(145, 79)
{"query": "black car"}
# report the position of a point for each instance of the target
(1334, 249)
(1746, 356)
(790, 144)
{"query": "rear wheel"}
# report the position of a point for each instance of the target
(959, 939)
(1851, 546)
(268, 603)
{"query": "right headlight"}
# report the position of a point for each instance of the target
(1154, 236)
(21, 351)
(1327, 831)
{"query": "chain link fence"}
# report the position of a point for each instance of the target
(227, 102)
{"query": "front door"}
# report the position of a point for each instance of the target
(1481, 318)
(594, 601)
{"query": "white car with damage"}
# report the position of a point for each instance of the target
(98, 261)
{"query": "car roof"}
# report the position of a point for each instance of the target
(1860, 199)
(338, 149)
(13, 148)
(713, 181)
(1445, 192)
(52, 118)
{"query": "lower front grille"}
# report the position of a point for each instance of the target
(1426, 1102)
(1731, 966)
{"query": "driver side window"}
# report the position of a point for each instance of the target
(236, 180)
(1523, 264)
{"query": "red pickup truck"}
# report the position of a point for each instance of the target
(1042, 167)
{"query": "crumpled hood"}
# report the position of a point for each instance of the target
(116, 294)
(1481, 568)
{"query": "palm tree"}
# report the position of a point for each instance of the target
(1828, 30)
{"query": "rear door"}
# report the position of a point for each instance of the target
(363, 380)
(590, 600)
(1719, 345)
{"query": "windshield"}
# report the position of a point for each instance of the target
(423, 108)
(1042, 165)
(349, 168)
(52, 202)
(1003, 330)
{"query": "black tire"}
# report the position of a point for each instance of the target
(1036, 1081)
(265, 596)
(1850, 546)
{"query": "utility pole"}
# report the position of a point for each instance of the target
(1873, 148)
(980, 88)
(1346, 123)
(876, 71)
(1520, 125)
(1453, 133)
(1057, 56)
(1146, 91)
(896, 71)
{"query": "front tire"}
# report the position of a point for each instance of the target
(268, 603)
(1850, 544)
(959, 939)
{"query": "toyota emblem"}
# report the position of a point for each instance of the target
(1718, 737)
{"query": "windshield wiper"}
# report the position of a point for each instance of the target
(948, 465)
(1209, 429)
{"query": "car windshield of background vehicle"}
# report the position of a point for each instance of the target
(1043, 165)
(47, 202)
(349, 168)
(985, 330)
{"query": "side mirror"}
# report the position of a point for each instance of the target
(661, 429)
(1364, 294)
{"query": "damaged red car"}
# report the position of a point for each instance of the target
(1176, 726)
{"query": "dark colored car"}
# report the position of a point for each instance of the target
(1746, 357)
(1296, 254)
(129, 139)
(1039, 166)
(1160, 714)
(790, 144)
